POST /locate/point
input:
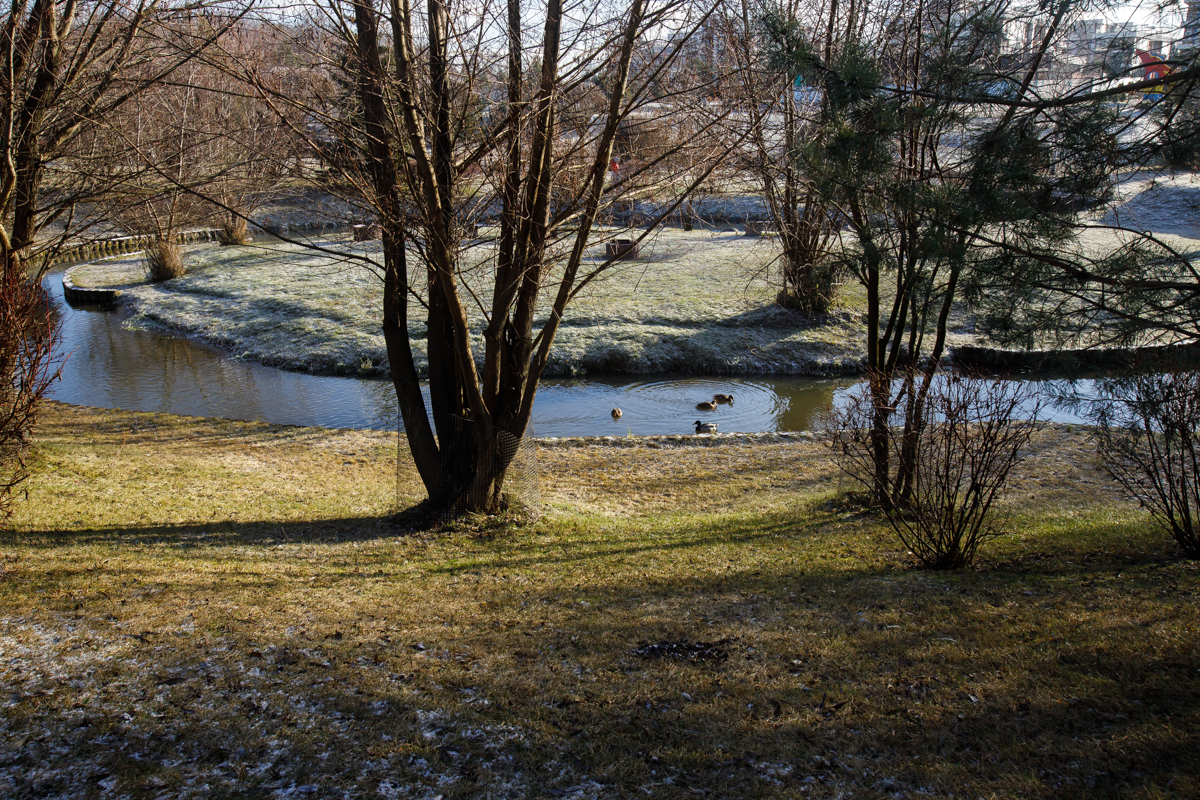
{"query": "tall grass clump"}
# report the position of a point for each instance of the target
(947, 465)
(1148, 427)
(164, 260)
(233, 231)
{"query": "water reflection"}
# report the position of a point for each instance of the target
(667, 404)
(115, 368)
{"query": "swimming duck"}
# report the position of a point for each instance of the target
(616, 413)
(723, 398)
(706, 427)
(706, 406)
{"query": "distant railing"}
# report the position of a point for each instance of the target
(123, 244)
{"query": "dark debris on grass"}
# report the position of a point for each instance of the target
(683, 650)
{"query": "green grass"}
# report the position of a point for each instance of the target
(203, 608)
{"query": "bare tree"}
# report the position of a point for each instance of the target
(506, 115)
(200, 149)
(784, 114)
(245, 148)
(68, 66)
(158, 157)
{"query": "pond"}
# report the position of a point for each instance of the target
(112, 367)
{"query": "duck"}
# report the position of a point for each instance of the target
(706, 406)
(616, 413)
(723, 398)
(705, 427)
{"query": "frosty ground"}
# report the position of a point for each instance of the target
(698, 302)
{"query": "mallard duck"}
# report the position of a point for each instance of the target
(706, 427)
(706, 406)
(723, 398)
(616, 413)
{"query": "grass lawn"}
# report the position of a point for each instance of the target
(204, 608)
(695, 302)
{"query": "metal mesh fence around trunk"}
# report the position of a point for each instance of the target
(458, 459)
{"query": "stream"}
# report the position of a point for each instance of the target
(109, 366)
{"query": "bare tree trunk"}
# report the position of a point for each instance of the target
(424, 154)
(386, 184)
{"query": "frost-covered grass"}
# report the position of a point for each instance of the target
(201, 608)
(276, 304)
(695, 302)
(699, 301)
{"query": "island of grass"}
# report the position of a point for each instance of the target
(698, 302)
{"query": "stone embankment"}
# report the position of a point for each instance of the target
(993, 359)
(81, 295)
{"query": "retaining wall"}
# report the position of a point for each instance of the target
(990, 359)
(78, 295)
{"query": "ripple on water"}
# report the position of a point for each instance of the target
(667, 404)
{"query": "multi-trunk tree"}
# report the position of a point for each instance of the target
(784, 112)
(505, 116)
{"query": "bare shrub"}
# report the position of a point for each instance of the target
(28, 365)
(164, 260)
(952, 456)
(1148, 427)
(233, 231)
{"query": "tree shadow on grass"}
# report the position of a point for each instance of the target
(517, 667)
(760, 340)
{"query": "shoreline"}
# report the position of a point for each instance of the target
(652, 441)
(988, 360)
(697, 302)
(266, 304)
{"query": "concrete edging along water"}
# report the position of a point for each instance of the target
(87, 253)
(994, 359)
(76, 295)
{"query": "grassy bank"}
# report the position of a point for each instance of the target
(697, 302)
(202, 608)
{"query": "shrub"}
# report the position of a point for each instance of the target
(233, 231)
(1148, 428)
(164, 260)
(810, 283)
(28, 365)
(948, 462)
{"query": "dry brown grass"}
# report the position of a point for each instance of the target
(200, 608)
(164, 260)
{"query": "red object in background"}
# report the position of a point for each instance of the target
(1153, 65)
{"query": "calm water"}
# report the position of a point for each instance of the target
(112, 367)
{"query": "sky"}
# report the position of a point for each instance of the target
(1144, 11)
